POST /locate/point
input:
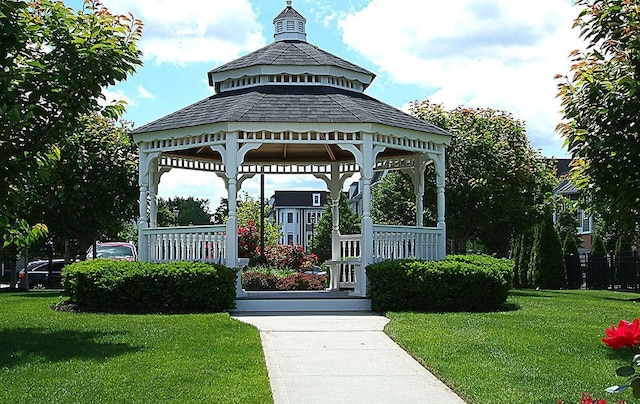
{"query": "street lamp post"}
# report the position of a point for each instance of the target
(176, 213)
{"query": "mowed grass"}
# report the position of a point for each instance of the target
(55, 357)
(546, 347)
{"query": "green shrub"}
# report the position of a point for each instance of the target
(124, 286)
(458, 283)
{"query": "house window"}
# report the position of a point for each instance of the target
(290, 238)
(289, 217)
(585, 221)
(279, 26)
(313, 217)
(316, 199)
(291, 25)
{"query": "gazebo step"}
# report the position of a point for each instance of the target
(300, 301)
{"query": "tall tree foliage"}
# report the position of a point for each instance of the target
(547, 266)
(54, 64)
(91, 192)
(496, 184)
(349, 224)
(393, 200)
(191, 211)
(601, 103)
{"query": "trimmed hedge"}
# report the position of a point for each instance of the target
(140, 287)
(458, 283)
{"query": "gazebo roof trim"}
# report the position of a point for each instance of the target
(290, 104)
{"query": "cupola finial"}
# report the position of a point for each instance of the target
(289, 25)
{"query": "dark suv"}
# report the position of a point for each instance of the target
(39, 274)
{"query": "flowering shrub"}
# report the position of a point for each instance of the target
(269, 279)
(249, 241)
(627, 334)
(253, 280)
(288, 256)
(300, 281)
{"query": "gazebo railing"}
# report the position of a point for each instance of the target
(192, 243)
(389, 242)
(398, 242)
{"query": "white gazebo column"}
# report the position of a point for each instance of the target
(154, 177)
(366, 245)
(230, 159)
(417, 178)
(439, 161)
(145, 164)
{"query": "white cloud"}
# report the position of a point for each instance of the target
(480, 53)
(197, 31)
(113, 96)
(144, 93)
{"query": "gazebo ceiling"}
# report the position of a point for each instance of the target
(274, 153)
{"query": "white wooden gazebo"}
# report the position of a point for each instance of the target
(292, 108)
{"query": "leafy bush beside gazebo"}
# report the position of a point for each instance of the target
(457, 283)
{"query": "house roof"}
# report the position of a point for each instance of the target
(289, 104)
(298, 198)
(562, 167)
(290, 53)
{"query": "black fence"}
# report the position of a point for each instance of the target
(605, 271)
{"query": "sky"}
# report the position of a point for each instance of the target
(500, 54)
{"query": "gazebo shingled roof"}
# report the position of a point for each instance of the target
(288, 53)
(289, 104)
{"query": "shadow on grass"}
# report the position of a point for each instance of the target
(31, 345)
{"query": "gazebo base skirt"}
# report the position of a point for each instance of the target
(300, 301)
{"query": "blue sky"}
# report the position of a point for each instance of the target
(500, 54)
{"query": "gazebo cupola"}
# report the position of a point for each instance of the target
(289, 25)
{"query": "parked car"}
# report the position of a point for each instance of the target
(316, 270)
(38, 274)
(116, 250)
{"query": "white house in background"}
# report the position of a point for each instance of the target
(297, 212)
(566, 188)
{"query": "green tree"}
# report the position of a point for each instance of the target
(522, 277)
(497, 185)
(91, 192)
(393, 200)
(222, 212)
(349, 224)
(192, 211)
(547, 258)
(55, 63)
(165, 216)
(600, 105)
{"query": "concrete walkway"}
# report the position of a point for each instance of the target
(341, 358)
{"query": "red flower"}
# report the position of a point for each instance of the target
(627, 334)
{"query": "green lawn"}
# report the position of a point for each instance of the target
(55, 357)
(546, 347)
